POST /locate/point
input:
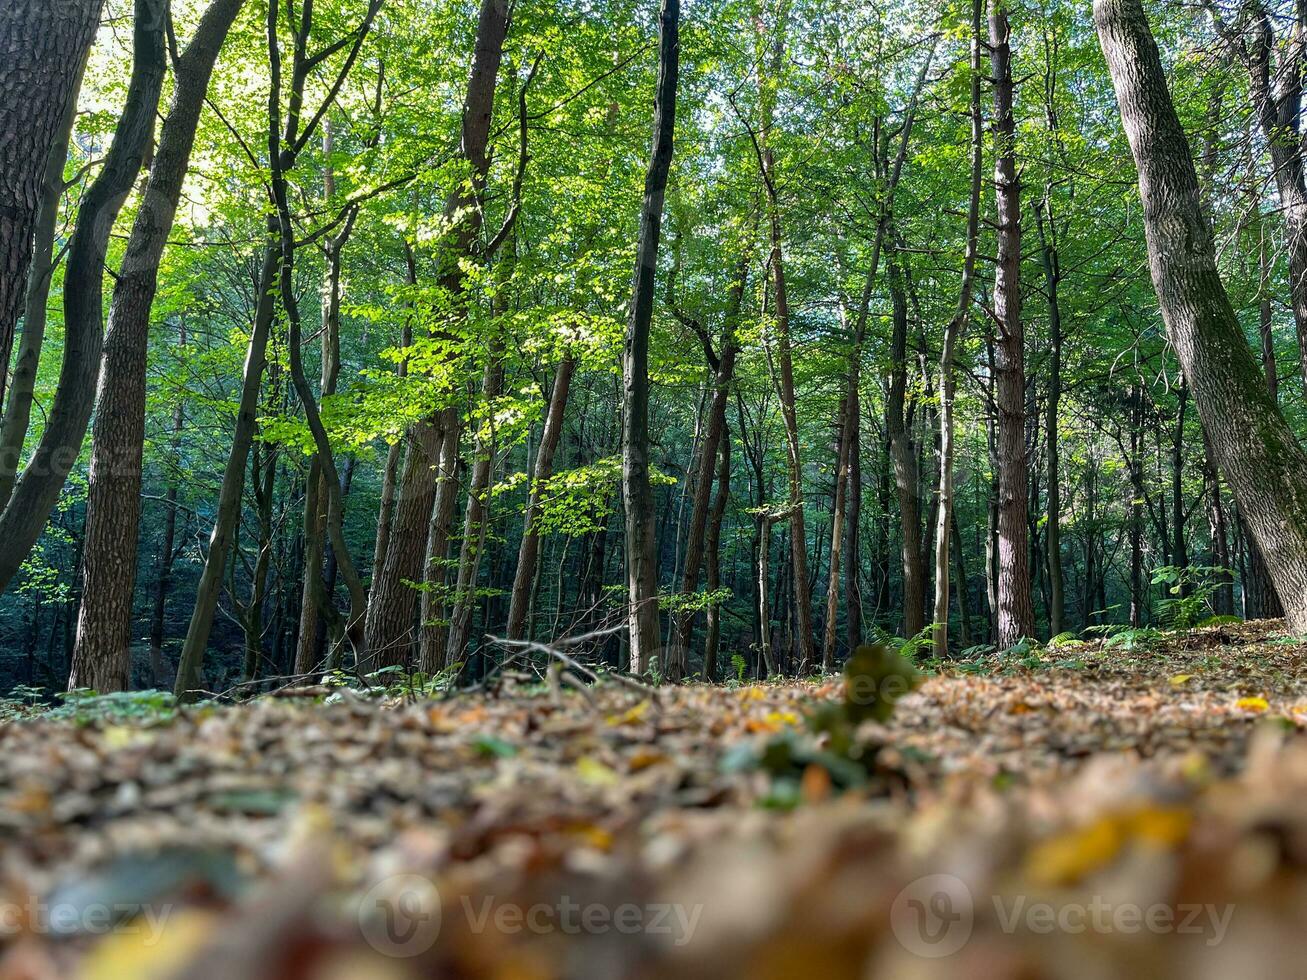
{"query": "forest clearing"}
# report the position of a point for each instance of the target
(591, 488)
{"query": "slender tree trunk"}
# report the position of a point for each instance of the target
(713, 560)
(637, 495)
(102, 652)
(476, 517)
(167, 555)
(528, 554)
(227, 516)
(952, 334)
(391, 606)
(1179, 549)
(1256, 450)
(836, 537)
(1016, 613)
(433, 624)
(1052, 280)
(904, 455)
(706, 459)
(785, 357)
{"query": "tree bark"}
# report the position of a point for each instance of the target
(1256, 450)
(18, 409)
(705, 463)
(952, 335)
(1052, 263)
(102, 651)
(904, 453)
(43, 47)
(42, 481)
(389, 629)
(528, 554)
(637, 495)
(1016, 613)
(476, 517)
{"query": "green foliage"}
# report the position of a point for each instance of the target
(1190, 592)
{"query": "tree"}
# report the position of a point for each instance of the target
(637, 495)
(102, 652)
(1255, 449)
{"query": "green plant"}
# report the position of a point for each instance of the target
(1190, 591)
(740, 665)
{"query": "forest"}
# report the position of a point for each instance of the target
(600, 448)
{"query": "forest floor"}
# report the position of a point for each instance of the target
(1089, 811)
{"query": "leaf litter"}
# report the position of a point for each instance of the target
(763, 830)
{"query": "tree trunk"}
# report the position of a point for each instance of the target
(904, 454)
(528, 554)
(42, 481)
(713, 562)
(227, 517)
(389, 629)
(952, 334)
(102, 652)
(1016, 613)
(1052, 263)
(43, 47)
(1256, 450)
(637, 495)
(18, 409)
(433, 623)
(167, 554)
(705, 463)
(476, 516)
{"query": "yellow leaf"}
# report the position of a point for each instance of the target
(779, 718)
(135, 951)
(121, 736)
(751, 694)
(1068, 857)
(632, 716)
(644, 758)
(1164, 826)
(1252, 704)
(594, 772)
(1179, 679)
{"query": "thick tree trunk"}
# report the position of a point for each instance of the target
(1016, 613)
(393, 603)
(18, 409)
(1256, 450)
(42, 481)
(528, 554)
(43, 46)
(102, 654)
(637, 495)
